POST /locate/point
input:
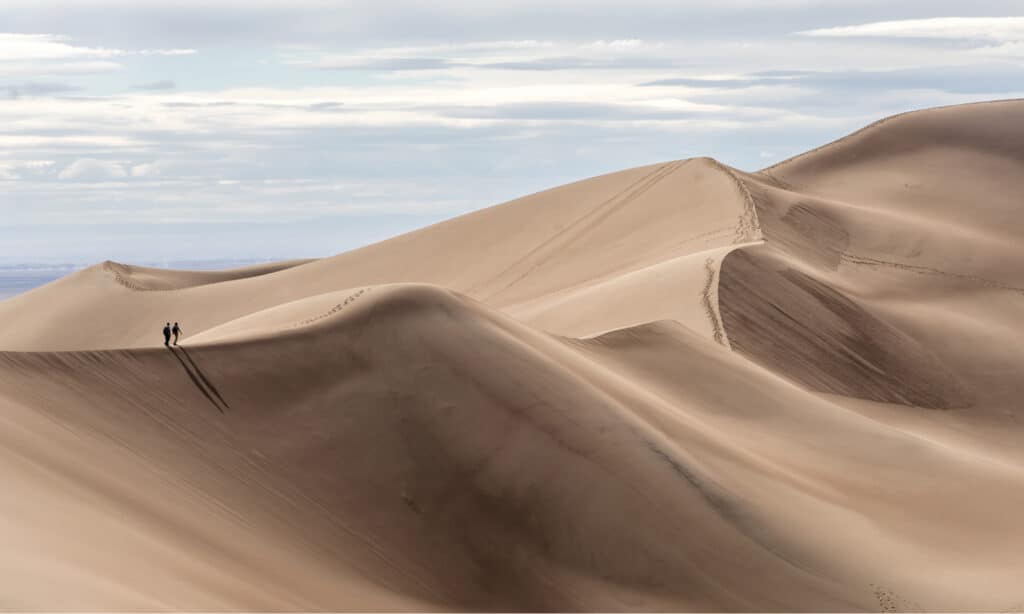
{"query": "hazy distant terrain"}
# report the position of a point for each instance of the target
(18, 278)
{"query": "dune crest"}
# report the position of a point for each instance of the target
(676, 387)
(148, 278)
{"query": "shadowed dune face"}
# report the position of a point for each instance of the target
(808, 231)
(677, 387)
(802, 327)
(910, 216)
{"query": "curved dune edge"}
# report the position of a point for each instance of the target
(872, 126)
(283, 319)
(141, 278)
(676, 387)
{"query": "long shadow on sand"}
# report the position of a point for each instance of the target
(198, 378)
(203, 377)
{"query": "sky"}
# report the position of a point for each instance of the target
(148, 132)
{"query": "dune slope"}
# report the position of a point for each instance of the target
(677, 387)
(532, 256)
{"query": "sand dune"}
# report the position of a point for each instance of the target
(676, 387)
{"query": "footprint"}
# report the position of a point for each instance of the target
(350, 299)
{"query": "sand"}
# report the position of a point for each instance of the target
(675, 387)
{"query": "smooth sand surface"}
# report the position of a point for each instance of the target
(675, 387)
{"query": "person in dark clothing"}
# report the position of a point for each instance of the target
(177, 331)
(167, 333)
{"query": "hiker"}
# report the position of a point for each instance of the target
(177, 331)
(167, 333)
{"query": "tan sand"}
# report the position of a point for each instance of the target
(676, 387)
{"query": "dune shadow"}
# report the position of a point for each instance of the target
(195, 377)
(203, 377)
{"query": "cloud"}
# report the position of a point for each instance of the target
(91, 169)
(168, 51)
(503, 44)
(16, 46)
(54, 54)
(148, 169)
(329, 106)
(589, 111)
(964, 28)
(164, 84)
(226, 23)
(618, 44)
(585, 63)
(184, 104)
(388, 64)
(972, 79)
(16, 169)
(522, 55)
(37, 89)
(76, 142)
(708, 82)
(47, 47)
(37, 69)
(1004, 51)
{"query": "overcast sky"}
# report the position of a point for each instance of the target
(148, 131)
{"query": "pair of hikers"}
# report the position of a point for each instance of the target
(168, 331)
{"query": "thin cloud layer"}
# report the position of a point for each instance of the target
(208, 113)
(59, 54)
(163, 84)
(16, 46)
(89, 169)
(969, 28)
